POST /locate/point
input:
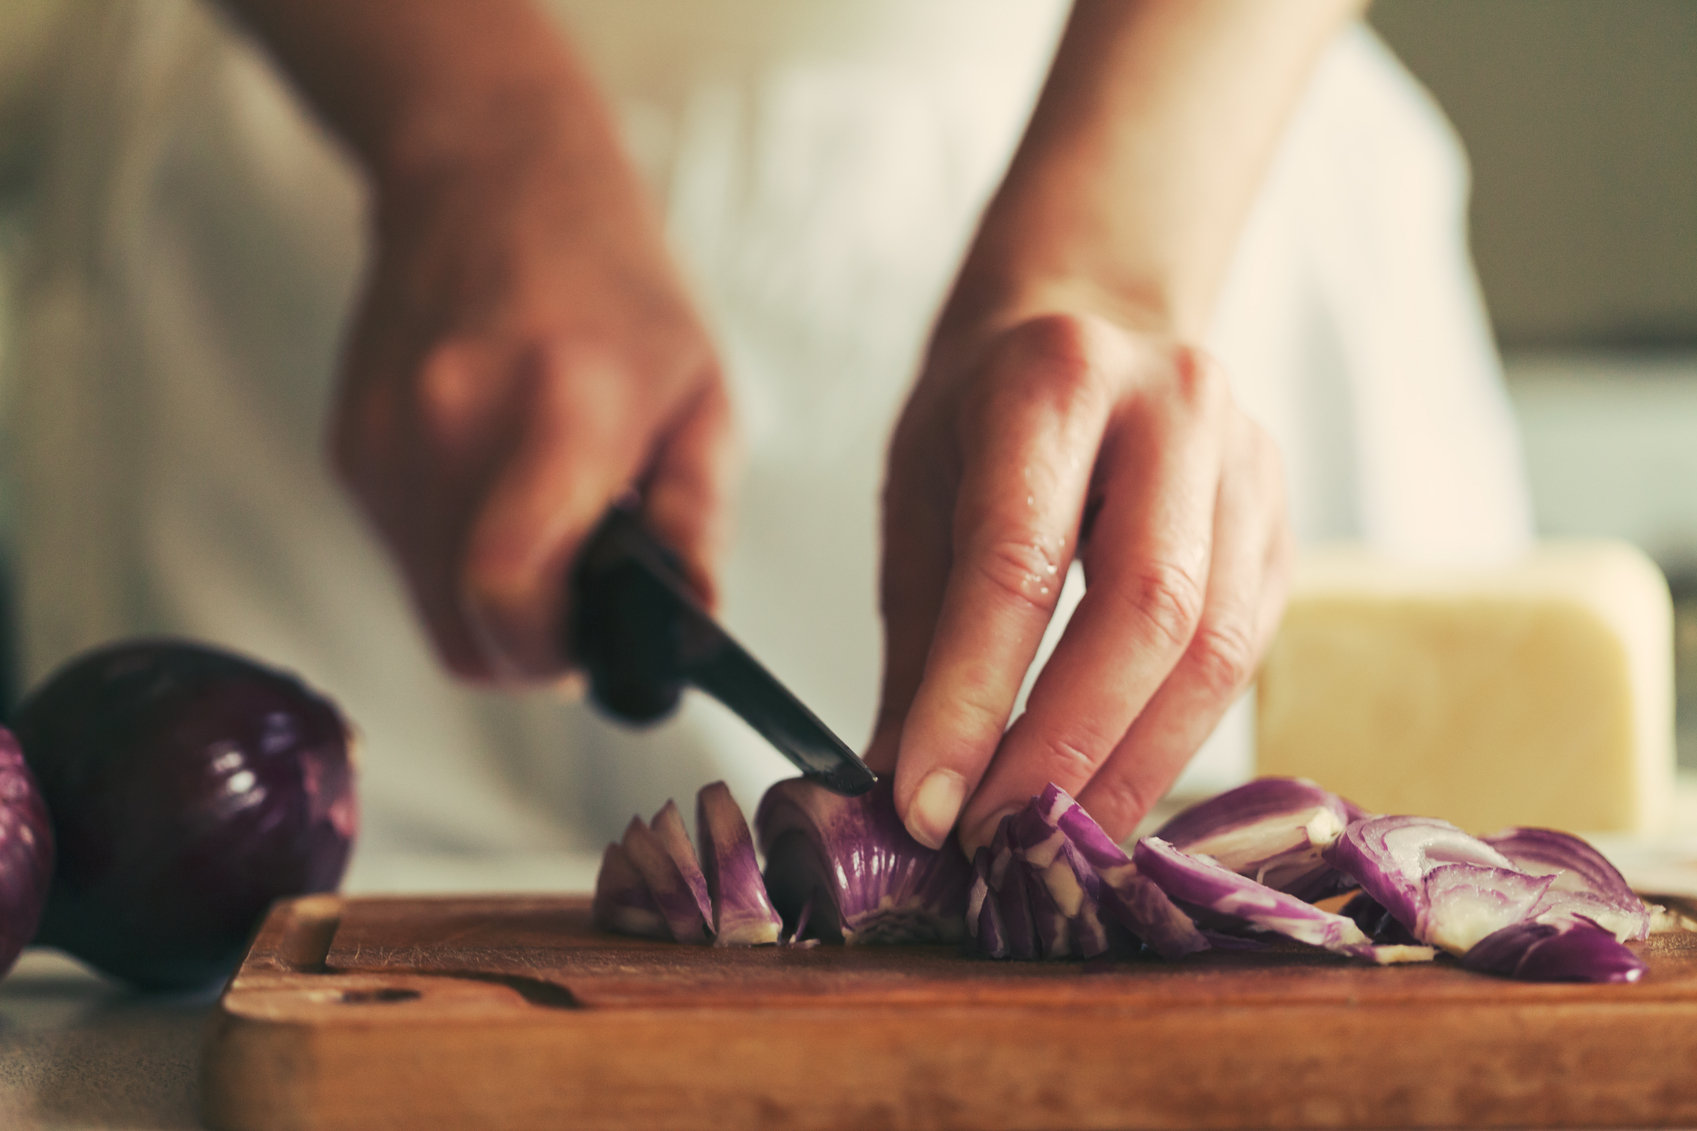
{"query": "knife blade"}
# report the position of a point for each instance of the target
(641, 635)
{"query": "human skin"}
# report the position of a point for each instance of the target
(525, 353)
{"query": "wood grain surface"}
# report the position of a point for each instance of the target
(515, 1013)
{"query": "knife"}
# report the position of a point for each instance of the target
(641, 635)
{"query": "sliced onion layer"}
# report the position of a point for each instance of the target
(622, 904)
(1273, 830)
(743, 914)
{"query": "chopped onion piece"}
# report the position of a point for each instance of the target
(1390, 857)
(622, 903)
(1585, 882)
(1236, 901)
(665, 882)
(668, 825)
(742, 913)
(877, 884)
(1272, 830)
(1557, 947)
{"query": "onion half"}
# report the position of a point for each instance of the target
(851, 859)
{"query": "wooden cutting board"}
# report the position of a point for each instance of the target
(515, 1013)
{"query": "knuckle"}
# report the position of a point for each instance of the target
(1199, 379)
(1021, 569)
(1074, 754)
(1119, 803)
(1167, 598)
(1223, 655)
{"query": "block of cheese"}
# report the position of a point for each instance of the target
(1538, 692)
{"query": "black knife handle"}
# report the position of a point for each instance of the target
(630, 607)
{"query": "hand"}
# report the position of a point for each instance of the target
(1025, 445)
(524, 355)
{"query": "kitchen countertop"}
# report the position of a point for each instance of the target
(77, 1052)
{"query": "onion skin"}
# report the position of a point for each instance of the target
(189, 788)
(874, 882)
(26, 852)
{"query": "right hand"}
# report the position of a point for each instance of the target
(524, 355)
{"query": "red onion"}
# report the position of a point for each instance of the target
(1272, 830)
(869, 881)
(26, 852)
(1558, 947)
(189, 788)
(668, 825)
(743, 915)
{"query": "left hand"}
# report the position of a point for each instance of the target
(1030, 441)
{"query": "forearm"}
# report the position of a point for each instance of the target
(411, 85)
(1142, 157)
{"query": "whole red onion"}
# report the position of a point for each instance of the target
(26, 852)
(189, 788)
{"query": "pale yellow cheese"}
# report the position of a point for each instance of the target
(1536, 693)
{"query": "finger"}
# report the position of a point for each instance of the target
(1026, 459)
(913, 570)
(1246, 591)
(686, 493)
(582, 444)
(1146, 566)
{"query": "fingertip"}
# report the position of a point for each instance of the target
(934, 807)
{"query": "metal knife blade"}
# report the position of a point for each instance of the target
(641, 634)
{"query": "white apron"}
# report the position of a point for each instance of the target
(820, 166)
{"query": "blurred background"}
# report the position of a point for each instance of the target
(1580, 118)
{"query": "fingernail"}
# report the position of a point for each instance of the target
(936, 803)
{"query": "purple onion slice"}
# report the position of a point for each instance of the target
(1390, 858)
(1225, 900)
(742, 913)
(665, 882)
(1272, 830)
(1019, 917)
(1585, 882)
(878, 884)
(668, 825)
(1557, 947)
(622, 903)
(26, 852)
